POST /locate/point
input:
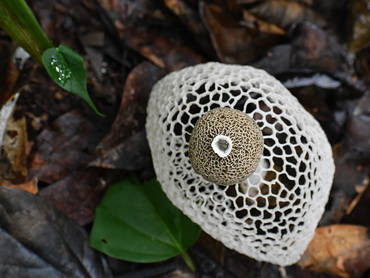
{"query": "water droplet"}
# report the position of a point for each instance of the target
(64, 73)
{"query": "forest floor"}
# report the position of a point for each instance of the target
(320, 50)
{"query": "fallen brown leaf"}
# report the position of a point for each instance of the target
(285, 13)
(192, 21)
(263, 26)
(13, 163)
(315, 49)
(158, 48)
(357, 128)
(29, 186)
(343, 250)
(230, 40)
(76, 195)
(8, 75)
(358, 24)
(66, 146)
(13, 77)
(238, 40)
(113, 151)
(362, 63)
(358, 210)
(37, 241)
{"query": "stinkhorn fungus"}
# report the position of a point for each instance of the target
(237, 153)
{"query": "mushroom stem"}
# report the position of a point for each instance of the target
(222, 145)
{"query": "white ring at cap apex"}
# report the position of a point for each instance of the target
(216, 145)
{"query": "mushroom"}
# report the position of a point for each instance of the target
(237, 153)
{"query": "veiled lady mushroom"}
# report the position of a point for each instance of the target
(238, 154)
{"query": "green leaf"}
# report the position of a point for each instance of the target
(136, 222)
(66, 68)
(18, 21)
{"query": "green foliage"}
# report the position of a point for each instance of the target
(136, 222)
(64, 65)
(66, 68)
(18, 21)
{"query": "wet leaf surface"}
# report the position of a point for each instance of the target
(36, 241)
(66, 68)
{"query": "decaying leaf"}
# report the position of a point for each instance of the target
(349, 173)
(37, 241)
(358, 210)
(236, 39)
(29, 186)
(8, 74)
(156, 46)
(15, 71)
(65, 146)
(276, 61)
(114, 151)
(13, 162)
(358, 131)
(156, 42)
(93, 43)
(315, 92)
(76, 195)
(263, 26)
(131, 154)
(192, 21)
(315, 49)
(311, 50)
(358, 24)
(285, 13)
(343, 250)
(362, 63)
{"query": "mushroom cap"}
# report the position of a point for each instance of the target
(238, 134)
(272, 215)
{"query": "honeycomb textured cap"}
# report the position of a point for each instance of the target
(237, 130)
(272, 215)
